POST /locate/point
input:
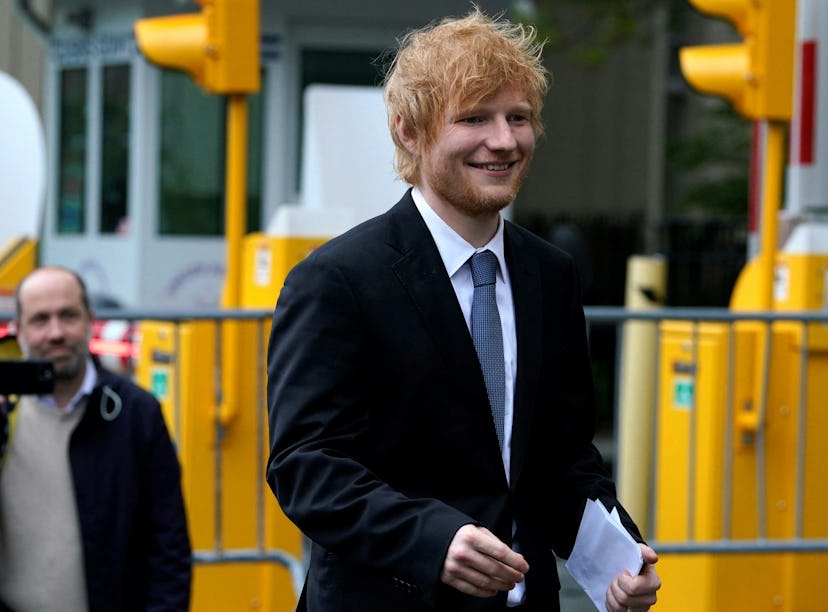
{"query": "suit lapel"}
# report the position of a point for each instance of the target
(526, 293)
(423, 274)
(421, 271)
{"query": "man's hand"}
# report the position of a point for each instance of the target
(635, 593)
(478, 563)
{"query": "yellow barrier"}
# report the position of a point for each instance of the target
(229, 506)
(740, 458)
(267, 261)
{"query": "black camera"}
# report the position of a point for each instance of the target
(26, 377)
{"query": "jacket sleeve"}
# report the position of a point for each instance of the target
(168, 550)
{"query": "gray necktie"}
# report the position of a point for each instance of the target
(487, 334)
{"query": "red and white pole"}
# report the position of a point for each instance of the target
(808, 157)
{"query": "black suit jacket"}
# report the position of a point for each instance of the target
(382, 441)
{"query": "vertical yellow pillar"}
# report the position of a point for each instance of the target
(235, 221)
(645, 289)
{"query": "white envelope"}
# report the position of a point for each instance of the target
(603, 550)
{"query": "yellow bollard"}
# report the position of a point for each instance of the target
(645, 290)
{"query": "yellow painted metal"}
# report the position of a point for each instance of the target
(236, 198)
(756, 76)
(233, 45)
(645, 290)
(176, 41)
(717, 70)
(688, 505)
(235, 221)
(218, 47)
(727, 467)
(18, 257)
(755, 288)
(219, 423)
(222, 467)
(800, 281)
(155, 371)
(771, 197)
(267, 261)
(692, 503)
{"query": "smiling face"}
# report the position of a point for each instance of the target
(54, 323)
(480, 156)
(444, 64)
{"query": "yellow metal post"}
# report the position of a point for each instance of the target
(771, 198)
(235, 221)
(235, 198)
(751, 420)
(646, 281)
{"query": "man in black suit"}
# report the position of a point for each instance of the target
(434, 462)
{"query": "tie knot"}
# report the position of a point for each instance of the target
(483, 268)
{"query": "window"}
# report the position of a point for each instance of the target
(191, 164)
(114, 149)
(72, 154)
(192, 159)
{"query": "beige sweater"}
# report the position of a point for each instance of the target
(41, 560)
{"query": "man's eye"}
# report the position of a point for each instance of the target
(518, 118)
(69, 315)
(472, 120)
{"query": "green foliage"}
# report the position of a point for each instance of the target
(715, 161)
(588, 30)
(712, 164)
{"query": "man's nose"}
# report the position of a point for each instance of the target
(55, 329)
(501, 135)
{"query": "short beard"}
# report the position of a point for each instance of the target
(71, 370)
(473, 203)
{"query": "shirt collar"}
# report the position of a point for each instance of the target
(453, 248)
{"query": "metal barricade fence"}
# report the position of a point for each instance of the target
(737, 505)
(596, 316)
(747, 351)
(696, 318)
(235, 521)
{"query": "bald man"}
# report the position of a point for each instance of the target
(91, 511)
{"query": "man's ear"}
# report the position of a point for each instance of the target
(407, 140)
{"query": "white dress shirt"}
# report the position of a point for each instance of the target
(455, 253)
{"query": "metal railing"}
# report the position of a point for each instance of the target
(797, 541)
(616, 318)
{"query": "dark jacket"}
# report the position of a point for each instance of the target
(128, 490)
(382, 441)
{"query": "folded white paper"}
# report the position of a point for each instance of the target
(603, 550)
